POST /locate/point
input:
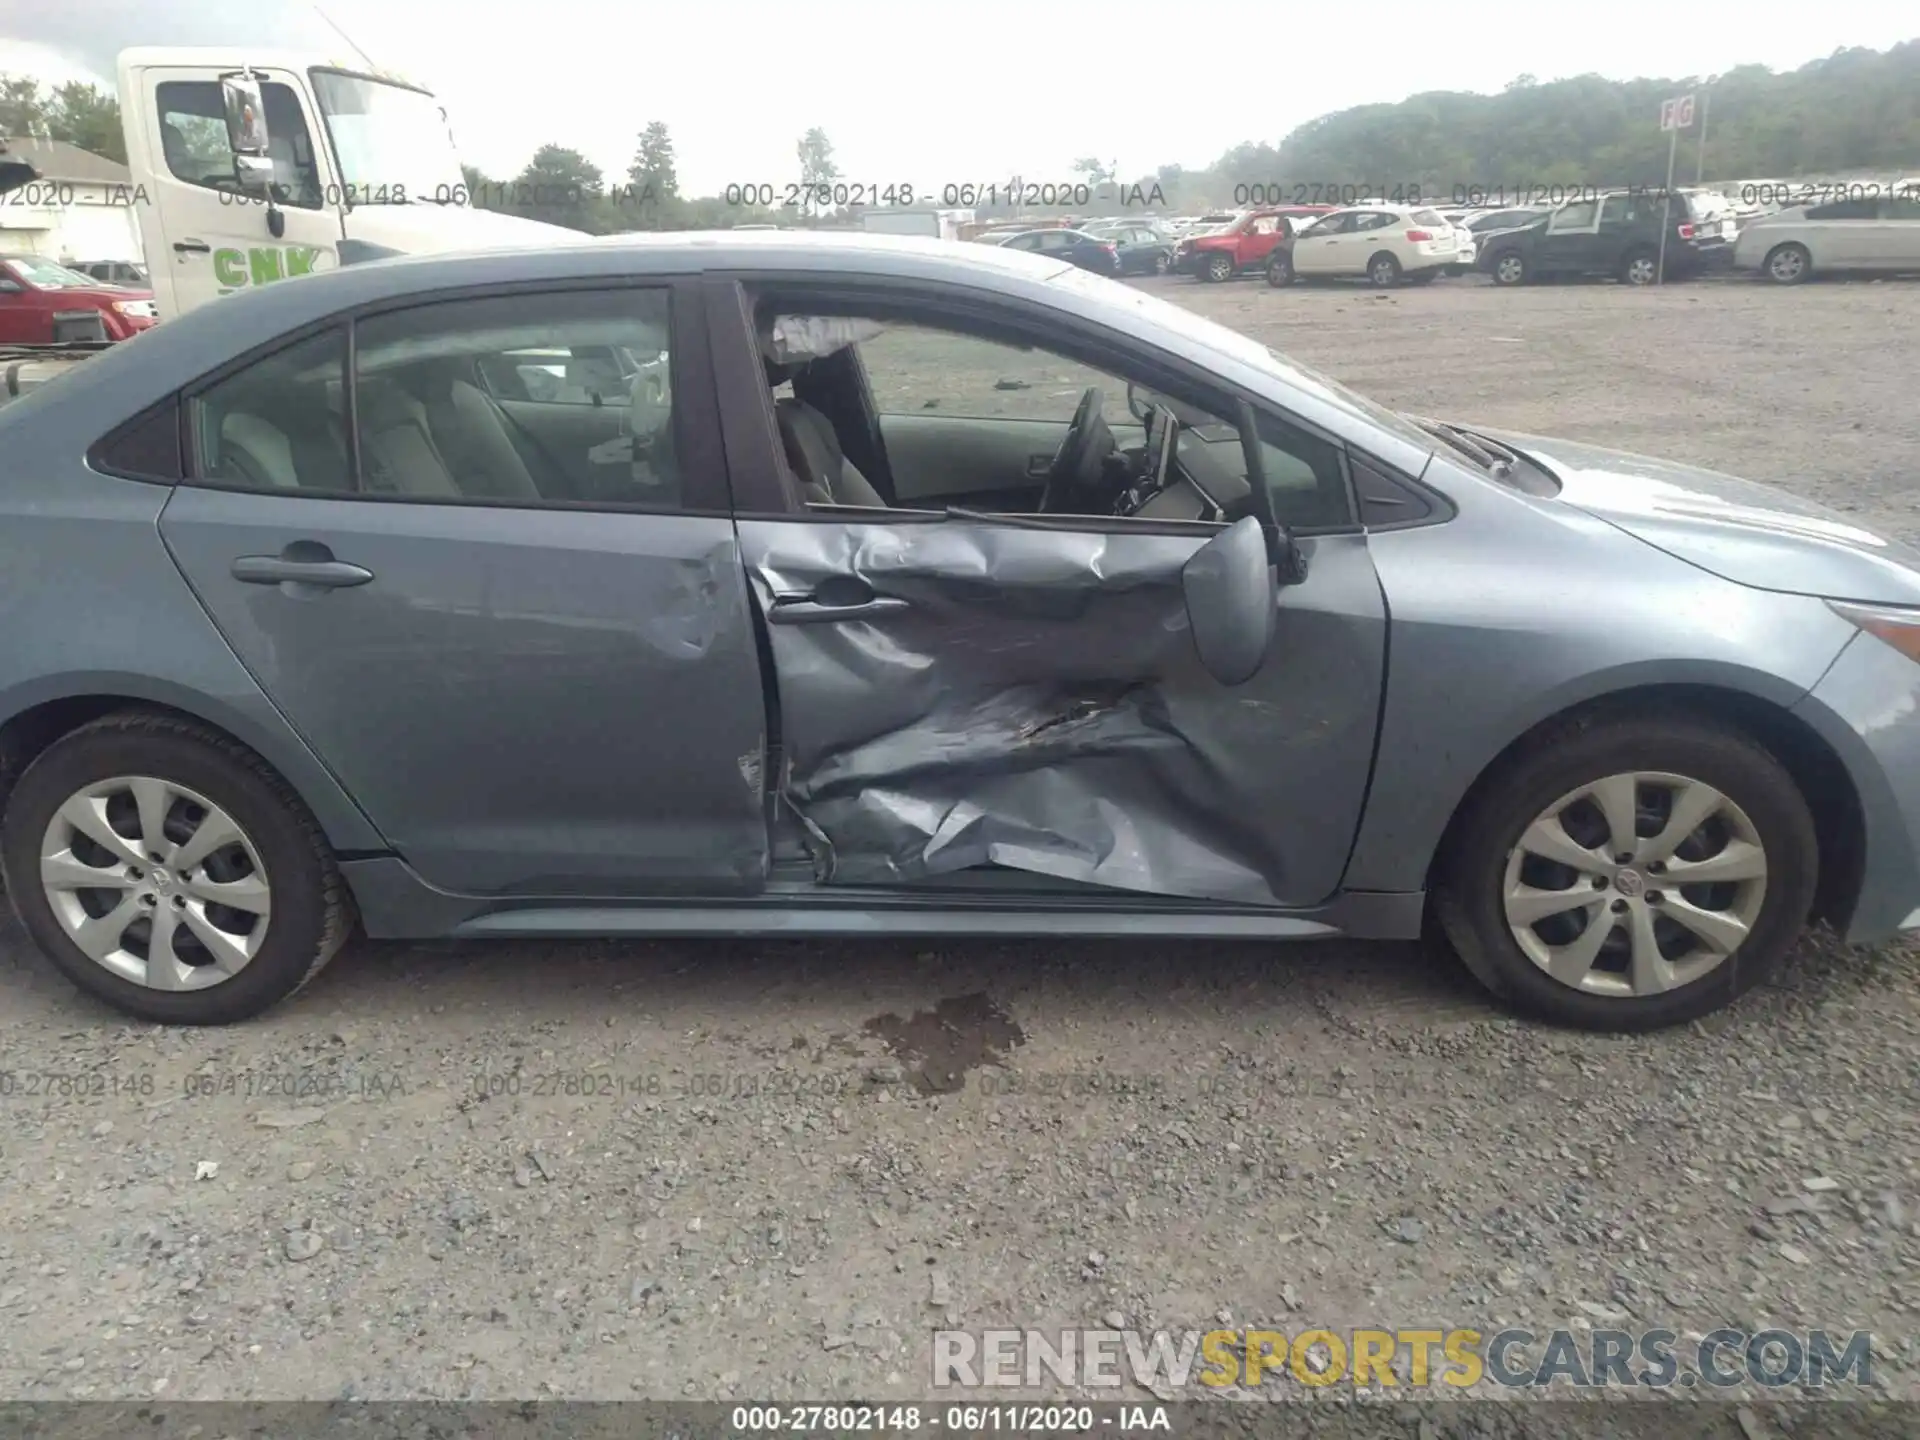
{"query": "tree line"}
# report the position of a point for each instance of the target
(1857, 109)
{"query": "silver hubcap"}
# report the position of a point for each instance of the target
(1641, 272)
(1635, 884)
(155, 883)
(1220, 268)
(1382, 273)
(1509, 269)
(1786, 265)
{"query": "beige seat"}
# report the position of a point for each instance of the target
(813, 450)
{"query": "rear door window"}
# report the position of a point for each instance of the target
(1579, 215)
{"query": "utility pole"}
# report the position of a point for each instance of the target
(1706, 100)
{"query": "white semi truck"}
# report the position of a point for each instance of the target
(252, 167)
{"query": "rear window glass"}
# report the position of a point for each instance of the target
(1429, 217)
(1709, 207)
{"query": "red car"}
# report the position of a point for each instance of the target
(41, 302)
(1243, 246)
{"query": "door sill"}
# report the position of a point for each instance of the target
(395, 903)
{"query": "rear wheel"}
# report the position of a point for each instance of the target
(1628, 874)
(1640, 267)
(1509, 268)
(1788, 264)
(168, 871)
(1280, 270)
(1383, 271)
(1162, 262)
(1217, 268)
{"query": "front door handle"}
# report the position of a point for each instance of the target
(327, 574)
(811, 610)
(192, 247)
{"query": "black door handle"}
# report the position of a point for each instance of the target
(805, 610)
(842, 597)
(279, 570)
(191, 247)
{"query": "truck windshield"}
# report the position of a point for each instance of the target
(392, 141)
(45, 275)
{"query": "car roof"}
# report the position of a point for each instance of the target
(1372, 209)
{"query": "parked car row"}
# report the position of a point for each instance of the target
(1616, 234)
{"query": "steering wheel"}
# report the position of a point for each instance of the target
(1078, 453)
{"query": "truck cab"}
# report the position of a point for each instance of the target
(252, 167)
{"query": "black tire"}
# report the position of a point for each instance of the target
(1280, 271)
(1162, 262)
(1789, 264)
(312, 908)
(1470, 875)
(1383, 271)
(1216, 268)
(1509, 267)
(1639, 267)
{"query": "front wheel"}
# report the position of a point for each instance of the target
(1383, 271)
(1162, 263)
(1218, 268)
(1788, 264)
(168, 871)
(1630, 873)
(1280, 271)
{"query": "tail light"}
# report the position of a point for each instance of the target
(1416, 236)
(1686, 232)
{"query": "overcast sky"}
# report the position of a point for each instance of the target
(932, 93)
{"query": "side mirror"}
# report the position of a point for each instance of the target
(247, 132)
(246, 113)
(1232, 600)
(10, 286)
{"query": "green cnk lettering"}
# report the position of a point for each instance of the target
(237, 269)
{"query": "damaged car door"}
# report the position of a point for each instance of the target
(533, 685)
(961, 693)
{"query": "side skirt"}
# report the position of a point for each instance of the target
(396, 904)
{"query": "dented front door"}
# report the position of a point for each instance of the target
(959, 693)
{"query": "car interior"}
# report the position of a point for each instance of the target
(878, 411)
(480, 413)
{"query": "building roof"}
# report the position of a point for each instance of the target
(57, 160)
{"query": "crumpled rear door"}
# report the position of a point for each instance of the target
(957, 693)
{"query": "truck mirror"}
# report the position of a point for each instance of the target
(246, 116)
(254, 173)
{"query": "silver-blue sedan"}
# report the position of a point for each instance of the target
(774, 583)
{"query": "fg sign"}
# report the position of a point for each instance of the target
(1677, 113)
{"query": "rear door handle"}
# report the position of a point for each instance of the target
(279, 570)
(191, 247)
(813, 610)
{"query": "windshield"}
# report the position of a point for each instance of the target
(393, 142)
(45, 275)
(1248, 351)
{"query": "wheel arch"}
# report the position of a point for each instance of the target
(1816, 768)
(39, 716)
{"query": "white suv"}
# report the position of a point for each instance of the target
(1385, 243)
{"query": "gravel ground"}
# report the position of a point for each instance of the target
(794, 1161)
